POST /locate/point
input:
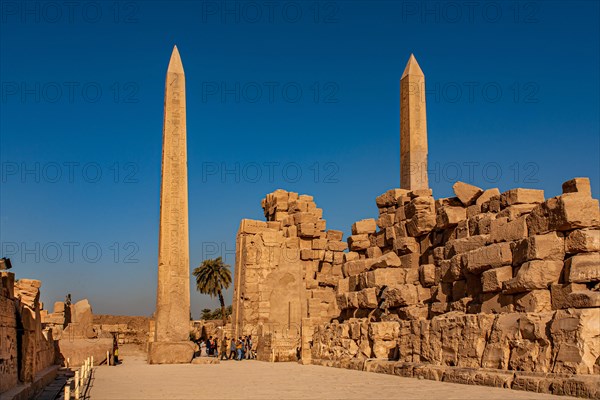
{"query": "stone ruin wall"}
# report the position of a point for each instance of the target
(285, 274)
(25, 348)
(489, 288)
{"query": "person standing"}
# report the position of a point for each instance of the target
(216, 347)
(238, 348)
(232, 348)
(224, 348)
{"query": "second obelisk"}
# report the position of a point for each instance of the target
(172, 318)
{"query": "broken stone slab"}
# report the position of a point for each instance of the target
(539, 247)
(401, 295)
(503, 230)
(487, 195)
(359, 242)
(533, 302)
(521, 196)
(464, 245)
(449, 216)
(492, 279)
(582, 240)
(492, 256)
(466, 193)
(364, 226)
(388, 260)
(578, 185)
(390, 198)
(562, 213)
(583, 267)
(534, 275)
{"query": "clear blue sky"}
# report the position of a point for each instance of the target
(305, 87)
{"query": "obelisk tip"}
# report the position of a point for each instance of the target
(412, 67)
(175, 64)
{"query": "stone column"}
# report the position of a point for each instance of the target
(172, 318)
(413, 128)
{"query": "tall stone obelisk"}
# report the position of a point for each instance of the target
(413, 128)
(172, 318)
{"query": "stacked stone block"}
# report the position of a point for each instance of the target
(287, 268)
(505, 281)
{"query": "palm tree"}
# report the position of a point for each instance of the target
(212, 277)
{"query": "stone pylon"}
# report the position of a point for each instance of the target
(172, 318)
(413, 128)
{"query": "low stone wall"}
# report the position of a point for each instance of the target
(560, 342)
(131, 329)
(586, 386)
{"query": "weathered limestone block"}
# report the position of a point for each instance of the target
(387, 330)
(533, 302)
(383, 276)
(386, 220)
(406, 245)
(484, 258)
(374, 252)
(367, 298)
(449, 216)
(584, 267)
(582, 240)
(532, 350)
(451, 270)
(359, 242)
(515, 211)
(521, 196)
(497, 351)
(534, 275)
(390, 198)
(388, 260)
(351, 256)
(466, 193)
(496, 303)
(401, 295)
(566, 212)
(487, 195)
(364, 226)
(421, 216)
(410, 261)
(251, 226)
(307, 230)
(578, 185)
(560, 294)
(428, 275)
(576, 341)
(539, 247)
(503, 230)
(334, 235)
(319, 244)
(582, 298)
(414, 313)
(459, 246)
(492, 279)
(356, 267)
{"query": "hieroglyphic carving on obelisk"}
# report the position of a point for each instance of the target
(413, 128)
(171, 341)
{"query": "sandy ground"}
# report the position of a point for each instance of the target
(134, 379)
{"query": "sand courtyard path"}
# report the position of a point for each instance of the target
(135, 379)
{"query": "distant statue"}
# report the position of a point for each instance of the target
(68, 299)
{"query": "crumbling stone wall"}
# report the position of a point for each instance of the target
(286, 271)
(486, 280)
(506, 282)
(25, 350)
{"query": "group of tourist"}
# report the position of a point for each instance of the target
(240, 349)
